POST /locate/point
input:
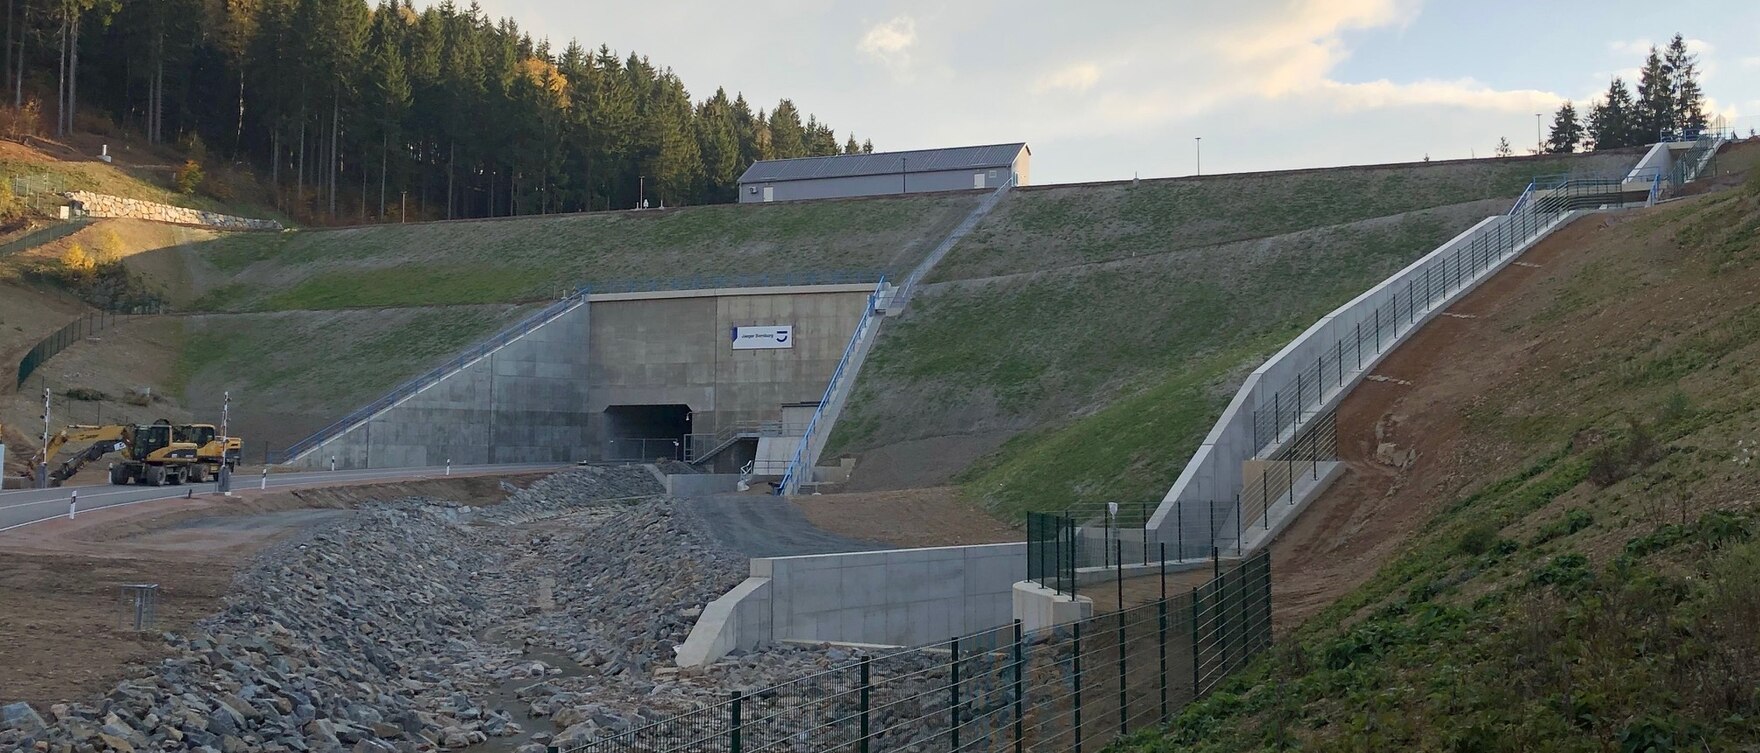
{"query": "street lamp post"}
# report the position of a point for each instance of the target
(1200, 142)
(1539, 145)
(904, 175)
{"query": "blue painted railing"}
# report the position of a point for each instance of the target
(791, 478)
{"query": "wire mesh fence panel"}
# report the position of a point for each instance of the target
(1077, 686)
(87, 325)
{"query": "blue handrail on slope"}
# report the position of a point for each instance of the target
(791, 476)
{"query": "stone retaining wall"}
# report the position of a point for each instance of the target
(101, 205)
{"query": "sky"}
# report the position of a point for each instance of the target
(1122, 88)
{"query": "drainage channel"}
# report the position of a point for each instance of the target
(534, 729)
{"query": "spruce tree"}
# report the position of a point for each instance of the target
(1567, 133)
(1689, 98)
(788, 137)
(1655, 114)
(1610, 120)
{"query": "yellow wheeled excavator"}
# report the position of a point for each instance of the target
(152, 454)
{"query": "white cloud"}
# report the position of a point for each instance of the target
(890, 41)
(1638, 48)
(1751, 63)
(1463, 93)
(1077, 77)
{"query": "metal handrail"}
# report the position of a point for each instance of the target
(791, 476)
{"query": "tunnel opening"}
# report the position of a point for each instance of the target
(646, 432)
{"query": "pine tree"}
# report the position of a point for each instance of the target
(1567, 133)
(1654, 118)
(851, 147)
(1610, 120)
(1689, 98)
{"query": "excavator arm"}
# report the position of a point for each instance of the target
(104, 440)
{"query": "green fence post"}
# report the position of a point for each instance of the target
(1020, 687)
(864, 704)
(1076, 669)
(1196, 654)
(1161, 632)
(734, 732)
(953, 693)
(1121, 644)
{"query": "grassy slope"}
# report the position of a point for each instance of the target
(300, 370)
(1042, 228)
(528, 259)
(1577, 593)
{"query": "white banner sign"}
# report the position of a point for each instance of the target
(765, 337)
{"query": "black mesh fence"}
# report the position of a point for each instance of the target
(1078, 686)
(79, 329)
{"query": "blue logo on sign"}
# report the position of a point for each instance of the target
(782, 337)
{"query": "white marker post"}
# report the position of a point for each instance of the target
(333, 463)
(265, 485)
(72, 504)
(449, 466)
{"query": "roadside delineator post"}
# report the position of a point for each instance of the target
(449, 466)
(265, 485)
(332, 463)
(72, 504)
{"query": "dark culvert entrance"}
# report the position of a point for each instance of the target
(646, 432)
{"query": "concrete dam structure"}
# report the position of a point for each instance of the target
(622, 376)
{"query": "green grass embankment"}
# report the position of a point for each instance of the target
(532, 258)
(1581, 576)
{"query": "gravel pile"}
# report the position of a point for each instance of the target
(585, 486)
(425, 624)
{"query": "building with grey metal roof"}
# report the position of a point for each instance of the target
(883, 173)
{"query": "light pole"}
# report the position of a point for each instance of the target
(1200, 142)
(904, 175)
(1539, 145)
(641, 191)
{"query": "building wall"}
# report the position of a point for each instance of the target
(883, 185)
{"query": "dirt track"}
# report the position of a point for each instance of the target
(61, 635)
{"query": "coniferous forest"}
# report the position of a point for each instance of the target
(355, 112)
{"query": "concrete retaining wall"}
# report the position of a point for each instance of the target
(523, 403)
(900, 597)
(102, 205)
(1187, 515)
(700, 484)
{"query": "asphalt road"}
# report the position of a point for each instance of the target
(763, 525)
(24, 507)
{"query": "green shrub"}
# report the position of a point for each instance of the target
(86, 394)
(1619, 459)
(1477, 540)
(189, 177)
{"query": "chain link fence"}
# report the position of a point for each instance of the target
(1077, 686)
(43, 194)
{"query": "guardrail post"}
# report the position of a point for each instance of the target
(953, 693)
(1020, 689)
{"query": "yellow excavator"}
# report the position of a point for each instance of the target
(152, 454)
